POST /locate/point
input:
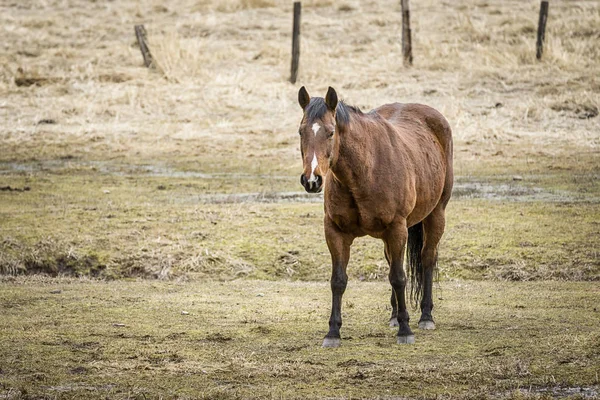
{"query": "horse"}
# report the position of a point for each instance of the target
(387, 174)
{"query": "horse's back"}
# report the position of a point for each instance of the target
(412, 120)
(404, 115)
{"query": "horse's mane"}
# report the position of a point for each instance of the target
(317, 108)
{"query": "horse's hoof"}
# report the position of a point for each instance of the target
(427, 325)
(410, 339)
(394, 322)
(332, 342)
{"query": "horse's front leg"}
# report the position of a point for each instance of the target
(339, 247)
(395, 242)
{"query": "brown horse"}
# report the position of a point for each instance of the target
(387, 174)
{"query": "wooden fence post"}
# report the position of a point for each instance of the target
(541, 29)
(140, 33)
(406, 40)
(296, 41)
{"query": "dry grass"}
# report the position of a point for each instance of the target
(223, 68)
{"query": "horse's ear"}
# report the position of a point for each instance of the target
(303, 97)
(331, 99)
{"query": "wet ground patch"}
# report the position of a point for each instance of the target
(496, 188)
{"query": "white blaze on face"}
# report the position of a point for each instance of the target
(314, 164)
(316, 128)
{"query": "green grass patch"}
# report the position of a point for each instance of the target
(127, 225)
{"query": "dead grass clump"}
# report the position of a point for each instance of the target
(317, 3)
(114, 78)
(513, 272)
(231, 6)
(192, 59)
(215, 265)
(53, 257)
(519, 272)
(139, 265)
(475, 31)
(289, 263)
(176, 57)
(49, 257)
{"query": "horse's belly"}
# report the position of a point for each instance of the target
(427, 199)
(374, 227)
(375, 221)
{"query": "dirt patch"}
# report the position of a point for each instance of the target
(35, 81)
(14, 189)
(218, 337)
(581, 111)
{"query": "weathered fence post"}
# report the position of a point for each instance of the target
(406, 40)
(541, 29)
(140, 33)
(296, 41)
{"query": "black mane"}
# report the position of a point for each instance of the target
(317, 108)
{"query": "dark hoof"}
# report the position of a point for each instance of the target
(427, 325)
(410, 339)
(394, 322)
(332, 342)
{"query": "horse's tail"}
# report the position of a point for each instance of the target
(414, 264)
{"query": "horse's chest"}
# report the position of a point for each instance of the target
(358, 218)
(374, 223)
(347, 221)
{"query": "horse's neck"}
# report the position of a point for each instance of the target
(354, 157)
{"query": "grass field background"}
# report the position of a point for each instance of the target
(140, 193)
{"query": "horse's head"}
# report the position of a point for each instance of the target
(317, 131)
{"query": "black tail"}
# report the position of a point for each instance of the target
(414, 264)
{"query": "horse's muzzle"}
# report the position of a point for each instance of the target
(312, 186)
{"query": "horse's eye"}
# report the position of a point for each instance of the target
(330, 134)
(299, 133)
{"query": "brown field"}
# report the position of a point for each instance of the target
(188, 173)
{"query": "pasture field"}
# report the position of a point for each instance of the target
(66, 338)
(142, 193)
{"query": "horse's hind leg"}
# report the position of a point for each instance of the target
(393, 302)
(433, 228)
(394, 317)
